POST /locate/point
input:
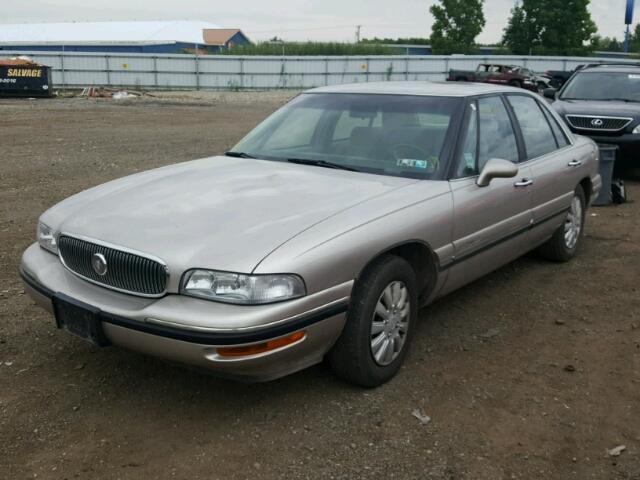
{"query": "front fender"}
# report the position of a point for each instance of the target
(337, 250)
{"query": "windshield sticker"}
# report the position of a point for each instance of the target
(412, 163)
(634, 77)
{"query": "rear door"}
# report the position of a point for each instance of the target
(548, 153)
(490, 223)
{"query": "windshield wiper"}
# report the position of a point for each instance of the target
(321, 163)
(301, 161)
(239, 155)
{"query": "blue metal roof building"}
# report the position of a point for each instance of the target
(121, 37)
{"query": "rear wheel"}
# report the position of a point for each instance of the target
(566, 240)
(379, 326)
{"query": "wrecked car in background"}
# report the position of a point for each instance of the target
(511, 75)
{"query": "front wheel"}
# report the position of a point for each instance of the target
(564, 244)
(380, 323)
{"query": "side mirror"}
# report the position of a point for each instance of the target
(550, 93)
(496, 168)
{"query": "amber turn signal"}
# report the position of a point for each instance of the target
(261, 347)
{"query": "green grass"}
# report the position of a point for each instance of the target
(400, 41)
(311, 48)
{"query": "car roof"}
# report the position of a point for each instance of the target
(432, 89)
(612, 68)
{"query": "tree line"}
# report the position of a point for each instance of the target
(612, 44)
(535, 27)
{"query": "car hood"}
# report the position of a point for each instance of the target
(222, 213)
(597, 108)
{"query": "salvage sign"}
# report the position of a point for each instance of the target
(24, 72)
(31, 81)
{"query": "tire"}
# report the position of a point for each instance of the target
(515, 83)
(353, 358)
(563, 246)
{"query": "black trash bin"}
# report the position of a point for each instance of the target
(608, 155)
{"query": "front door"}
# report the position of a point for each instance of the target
(490, 224)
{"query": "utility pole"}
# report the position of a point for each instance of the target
(627, 33)
(628, 20)
(358, 27)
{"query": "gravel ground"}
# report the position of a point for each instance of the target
(532, 372)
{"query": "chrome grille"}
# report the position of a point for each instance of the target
(595, 123)
(126, 271)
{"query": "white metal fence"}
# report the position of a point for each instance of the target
(72, 69)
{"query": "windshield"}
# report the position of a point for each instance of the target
(395, 135)
(603, 86)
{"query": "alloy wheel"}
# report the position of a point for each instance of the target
(573, 223)
(390, 323)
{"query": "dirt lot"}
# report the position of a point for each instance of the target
(532, 372)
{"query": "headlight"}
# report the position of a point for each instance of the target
(47, 238)
(242, 289)
(637, 130)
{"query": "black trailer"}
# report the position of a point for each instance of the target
(21, 79)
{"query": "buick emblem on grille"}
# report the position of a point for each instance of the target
(99, 264)
(597, 122)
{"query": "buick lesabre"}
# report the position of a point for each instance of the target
(320, 234)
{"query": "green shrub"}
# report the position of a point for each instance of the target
(310, 49)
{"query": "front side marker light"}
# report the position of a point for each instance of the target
(259, 348)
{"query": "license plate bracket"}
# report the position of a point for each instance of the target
(79, 319)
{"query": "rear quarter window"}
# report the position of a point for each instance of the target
(561, 137)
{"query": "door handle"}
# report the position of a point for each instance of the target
(525, 182)
(574, 163)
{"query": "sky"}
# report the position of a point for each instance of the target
(294, 20)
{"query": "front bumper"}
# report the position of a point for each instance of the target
(189, 330)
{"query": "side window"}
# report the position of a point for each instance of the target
(466, 164)
(561, 137)
(538, 137)
(497, 138)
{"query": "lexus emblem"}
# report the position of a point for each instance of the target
(99, 264)
(597, 122)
